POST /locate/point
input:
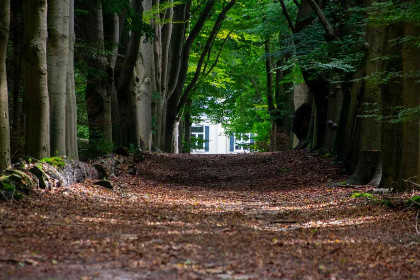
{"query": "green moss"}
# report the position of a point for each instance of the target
(357, 194)
(54, 161)
(414, 201)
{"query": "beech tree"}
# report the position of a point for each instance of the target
(58, 59)
(37, 105)
(145, 70)
(71, 106)
(4, 107)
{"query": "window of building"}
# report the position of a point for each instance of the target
(241, 144)
(201, 135)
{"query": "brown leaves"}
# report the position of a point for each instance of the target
(209, 217)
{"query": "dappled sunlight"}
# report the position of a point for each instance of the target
(144, 226)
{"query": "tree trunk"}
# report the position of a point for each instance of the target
(58, 59)
(175, 95)
(318, 85)
(411, 66)
(270, 96)
(371, 100)
(169, 104)
(112, 34)
(392, 137)
(16, 87)
(4, 105)
(71, 107)
(142, 99)
(98, 98)
(187, 128)
(37, 106)
(125, 79)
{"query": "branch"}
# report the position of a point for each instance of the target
(209, 42)
(176, 91)
(195, 10)
(256, 90)
(218, 55)
(286, 15)
(268, 69)
(330, 33)
(411, 184)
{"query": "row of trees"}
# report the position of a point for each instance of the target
(366, 114)
(136, 73)
(132, 58)
(355, 63)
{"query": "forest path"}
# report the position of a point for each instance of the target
(259, 216)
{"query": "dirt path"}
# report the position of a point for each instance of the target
(263, 216)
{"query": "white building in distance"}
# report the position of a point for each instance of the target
(215, 140)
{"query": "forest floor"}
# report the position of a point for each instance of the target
(251, 216)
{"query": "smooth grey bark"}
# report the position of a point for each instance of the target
(172, 43)
(58, 59)
(142, 92)
(37, 106)
(4, 105)
(71, 107)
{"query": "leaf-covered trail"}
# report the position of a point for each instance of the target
(262, 216)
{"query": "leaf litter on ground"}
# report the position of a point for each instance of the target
(247, 216)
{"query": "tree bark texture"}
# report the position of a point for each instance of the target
(392, 136)
(71, 107)
(37, 106)
(4, 104)
(112, 35)
(142, 91)
(16, 87)
(173, 68)
(58, 59)
(125, 79)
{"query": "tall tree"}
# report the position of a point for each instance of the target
(98, 98)
(172, 41)
(37, 106)
(71, 106)
(4, 106)
(142, 91)
(175, 95)
(126, 76)
(58, 60)
(16, 86)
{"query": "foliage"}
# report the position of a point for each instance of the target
(195, 143)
